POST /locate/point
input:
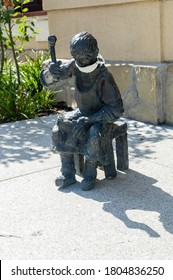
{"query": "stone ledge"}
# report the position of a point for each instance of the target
(143, 90)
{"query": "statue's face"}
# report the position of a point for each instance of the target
(84, 49)
(84, 59)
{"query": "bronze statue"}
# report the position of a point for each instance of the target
(87, 129)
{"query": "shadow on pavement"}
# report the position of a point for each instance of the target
(132, 191)
(24, 140)
(142, 138)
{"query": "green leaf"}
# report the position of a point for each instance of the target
(24, 10)
(26, 2)
(16, 14)
(17, 7)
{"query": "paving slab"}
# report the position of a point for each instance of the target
(129, 217)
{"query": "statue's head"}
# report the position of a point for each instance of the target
(84, 49)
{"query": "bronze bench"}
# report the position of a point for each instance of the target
(119, 133)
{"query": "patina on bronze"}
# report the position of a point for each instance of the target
(86, 130)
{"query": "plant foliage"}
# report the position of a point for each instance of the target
(21, 93)
(29, 98)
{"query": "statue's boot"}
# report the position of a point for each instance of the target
(90, 173)
(68, 171)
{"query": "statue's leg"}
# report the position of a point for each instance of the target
(92, 154)
(92, 147)
(90, 173)
(68, 171)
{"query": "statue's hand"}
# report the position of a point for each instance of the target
(80, 128)
(55, 68)
(64, 119)
(60, 118)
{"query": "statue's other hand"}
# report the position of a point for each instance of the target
(55, 68)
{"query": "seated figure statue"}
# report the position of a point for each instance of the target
(87, 129)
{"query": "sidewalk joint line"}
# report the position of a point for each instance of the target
(26, 174)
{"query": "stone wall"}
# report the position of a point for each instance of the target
(169, 95)
(147, 90)
(143, 90)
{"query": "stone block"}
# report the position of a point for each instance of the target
(146, 83)
(143, 89)
(169, 95)
(122, 74)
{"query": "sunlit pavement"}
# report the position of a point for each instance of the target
(130, 217)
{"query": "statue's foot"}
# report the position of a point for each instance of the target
(110, 171)
(87, 185)
(63, 182)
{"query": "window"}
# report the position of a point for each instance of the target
(34, 5)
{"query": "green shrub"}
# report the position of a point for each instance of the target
(30, 70)
(27, 99)
(21, 93)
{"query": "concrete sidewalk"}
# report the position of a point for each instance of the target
(130, 217)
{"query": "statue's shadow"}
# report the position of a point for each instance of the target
(132, 191)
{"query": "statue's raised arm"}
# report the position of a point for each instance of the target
(54, 70)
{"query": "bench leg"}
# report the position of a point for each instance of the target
(122, 152)
(110, 169)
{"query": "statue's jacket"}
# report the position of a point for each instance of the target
(99, 103)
